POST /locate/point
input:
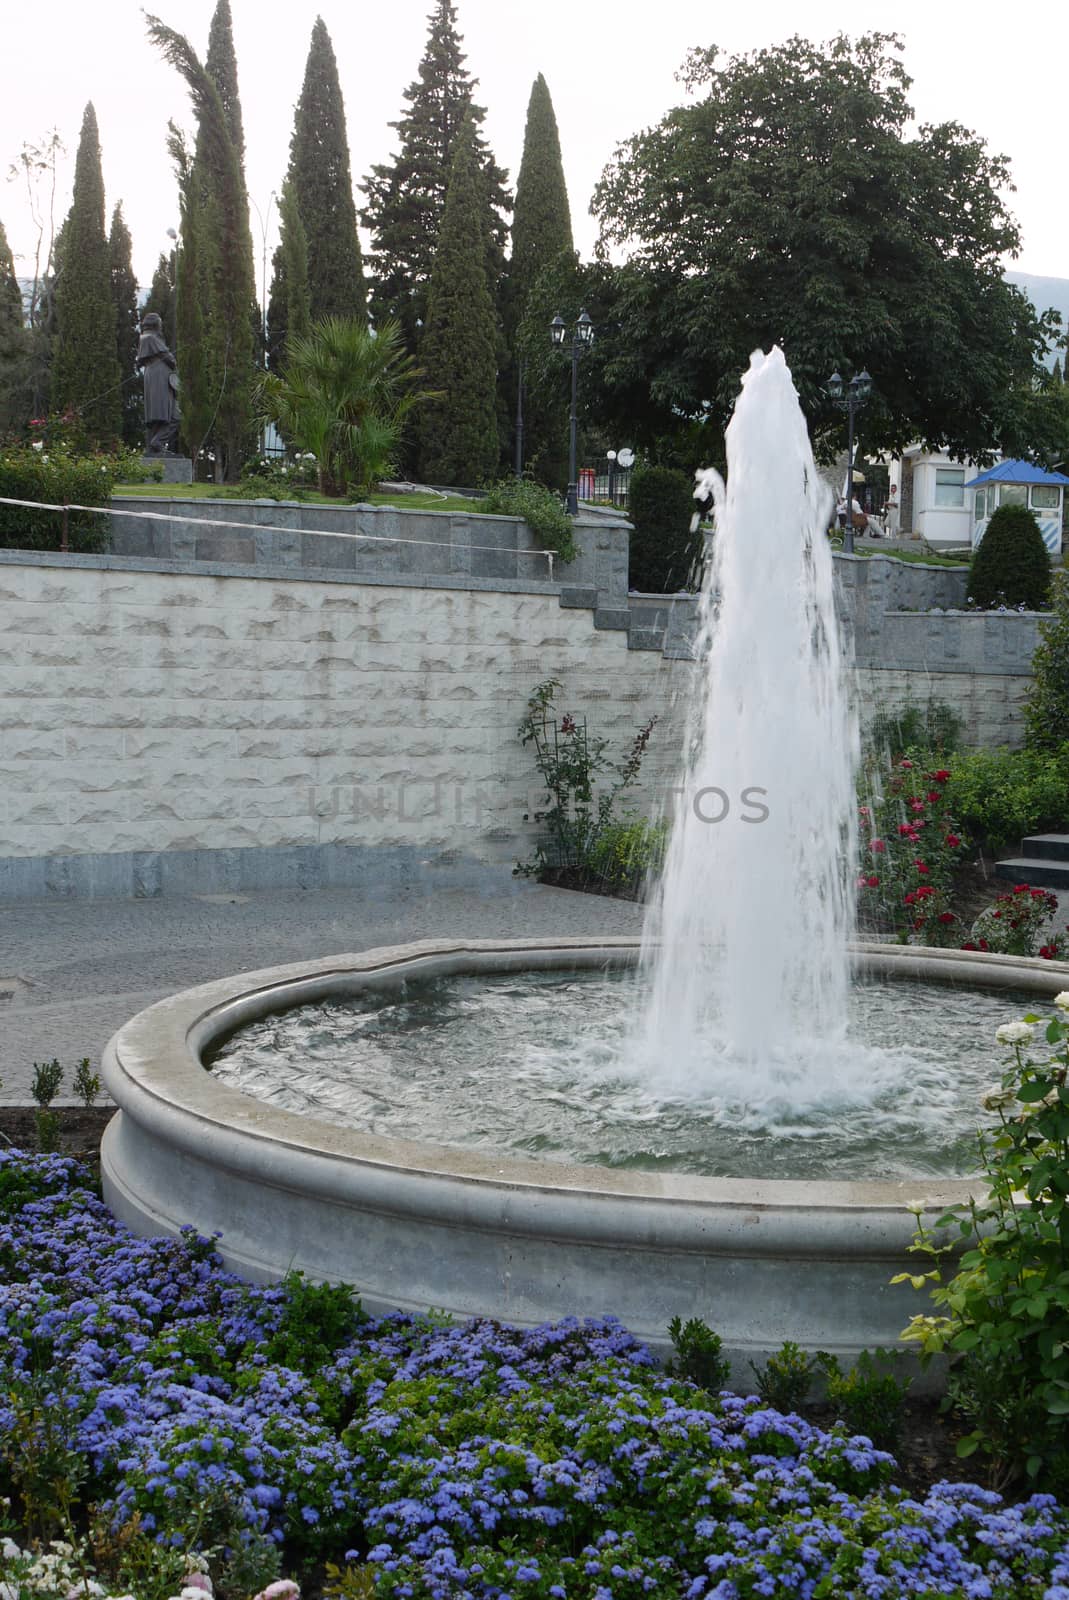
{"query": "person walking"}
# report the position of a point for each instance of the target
(891, 519)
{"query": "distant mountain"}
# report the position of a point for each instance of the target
(1045, 293)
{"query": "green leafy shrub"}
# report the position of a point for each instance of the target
(625, 853)
(1005, 1309)
(540, 508)
(1047, 710)
(697, 1355)
(54, 477)
(999, 796)
(317, 1319)
(934, 727)
(1011, 566)
(86, 1083)
(583, 831)
(787, 1377)
(47, 1081)
(664, 551)
(868, 1398)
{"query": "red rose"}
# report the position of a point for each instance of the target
(934, 795)
(941, 777)
(920, 866)
(926, 890)
(952, 840)
(910, 898)
(872, 883)
(877, 847)
(968, 945)
(907, 764)
(946, 916)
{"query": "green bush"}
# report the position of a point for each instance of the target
(934, 728)
(664, 551)
(1047, 711)
(1004, 1313)
(1011, 566)
(999, 796)
(787, 1377)
(869, 1397)
(540, 508)
(56, 478)
(697, 1355)
(625, 852)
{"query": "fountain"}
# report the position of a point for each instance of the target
(745, 963)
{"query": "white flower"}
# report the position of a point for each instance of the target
(1062, 1000)
(38, 444)
(997, 1098)
(1014, 1033)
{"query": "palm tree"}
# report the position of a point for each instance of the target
(345, 395)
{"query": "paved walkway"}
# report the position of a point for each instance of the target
(71, 972)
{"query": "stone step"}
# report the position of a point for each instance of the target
(1038, 871)
(1051, 846)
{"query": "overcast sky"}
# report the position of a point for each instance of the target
(610, 70)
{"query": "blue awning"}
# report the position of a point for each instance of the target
(1017, 472)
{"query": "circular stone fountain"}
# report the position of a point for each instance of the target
(761, 1258)
(423, 1226)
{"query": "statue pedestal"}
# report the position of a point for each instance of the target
(176, 469)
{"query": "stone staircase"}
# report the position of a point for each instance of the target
(1044, 862)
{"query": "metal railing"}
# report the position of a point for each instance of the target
(204, 523)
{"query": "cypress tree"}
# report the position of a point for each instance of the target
(542, 222)
(541, 236)
(124, 298)
(321, 181)
(85, 367)
(216, 280)
(406, 198)
(293, 251)
(458, 433)
(221, 65)
(161, 297)
(14, 345)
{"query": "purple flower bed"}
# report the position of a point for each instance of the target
(453, 1461)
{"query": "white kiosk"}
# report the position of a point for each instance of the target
(1019, 483)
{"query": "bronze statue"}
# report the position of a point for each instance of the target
(159, 371)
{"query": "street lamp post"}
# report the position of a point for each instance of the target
(851, 399)
(582, 339)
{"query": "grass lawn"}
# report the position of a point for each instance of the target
(212, 491)
(921, 557)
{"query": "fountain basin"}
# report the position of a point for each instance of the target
(420, 1226)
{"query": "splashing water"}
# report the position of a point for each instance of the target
(745, 944)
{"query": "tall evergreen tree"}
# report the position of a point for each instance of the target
(14, 345)
(406, 198)
(221, 65)
(458, 432)
(85, 367)
(161, 297)
(293, 275)
(216, 279)
(542, 221)
(321, 180)
(541, 237)
(124, 298)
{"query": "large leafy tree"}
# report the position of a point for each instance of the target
(459, 348)
(791, 203)
(321, 181)
(541, 239)
(124, 297)
(14, 345)
(85, 368)
(216, 280)
(406, 197)
(345, 396)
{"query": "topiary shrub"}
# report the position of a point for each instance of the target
(664, 551)
(1011, 566)
(54, 477)
(1047, 711)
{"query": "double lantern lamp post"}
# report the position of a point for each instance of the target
(582, 339)
(851, 397)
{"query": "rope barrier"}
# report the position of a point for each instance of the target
(267, 527)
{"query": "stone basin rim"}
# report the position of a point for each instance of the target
(153, 1070)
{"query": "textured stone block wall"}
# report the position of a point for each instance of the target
(149, 711)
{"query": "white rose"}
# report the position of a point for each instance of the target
(1062, 1000)
(1014, 1033)
(997, 1098)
